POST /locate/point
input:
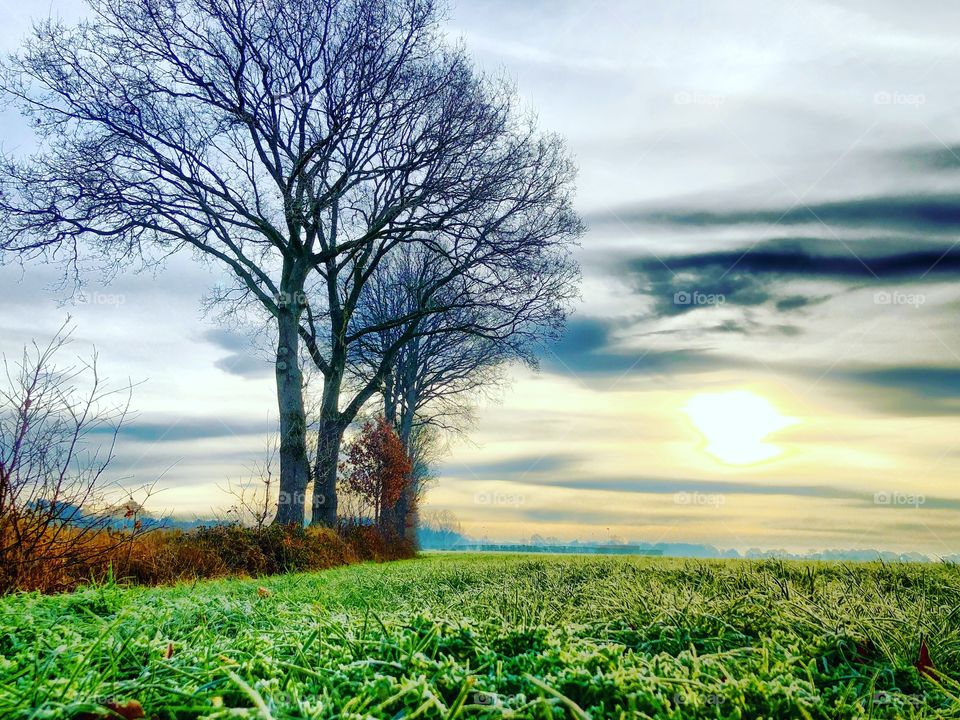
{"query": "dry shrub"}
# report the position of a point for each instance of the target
(62, 558)
(58, 430)
(224, 550)
(166, 556)
(372, 543)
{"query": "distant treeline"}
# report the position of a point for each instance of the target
(431, 540)
(592, 549)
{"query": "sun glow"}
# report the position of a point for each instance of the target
(735, 424)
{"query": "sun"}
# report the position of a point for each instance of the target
(735, 424)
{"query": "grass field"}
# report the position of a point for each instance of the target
(492, 636)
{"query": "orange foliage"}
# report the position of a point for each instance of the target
(165, 556)
(377, 468)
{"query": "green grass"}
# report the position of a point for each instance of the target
(456, 636)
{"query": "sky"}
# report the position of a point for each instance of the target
(766, 351)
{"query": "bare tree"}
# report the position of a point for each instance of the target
(58, 430)
(451, 358)
(497, 261)
(449, 362)
(295, 142)
(249, 132)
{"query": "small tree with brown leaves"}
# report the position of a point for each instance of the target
(376, 470)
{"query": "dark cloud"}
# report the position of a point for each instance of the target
(793, 259)
(589, 349)
(794, 302)
(911, 390)
(685, 492)
(744, 326)
(227, 340)
(241, 361)
(245, 366)
(704, 487)
(642, 485)
(929, 381)
(731, 326)
(916, 213)
(752, 276)
(930, 157)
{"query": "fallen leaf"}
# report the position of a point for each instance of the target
(130, 710)
(924, 663)
(264, 592)
(169, 653)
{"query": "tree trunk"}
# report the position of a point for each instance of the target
(329, 436)
(294, 463)
(405, 516)
(410, 517)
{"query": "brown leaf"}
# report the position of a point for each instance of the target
(169, 653)
(924, 664)
(264, 592)
(130, 710)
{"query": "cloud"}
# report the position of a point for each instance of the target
(589, 350)
(754, 275)
(797, 258)
(185, 429)
(600, 516)
(794, 302)
(521, 465)
(654, 485)
(916, 213)
(241, 361)
(684, 491)
(929, 157)
(912, 390)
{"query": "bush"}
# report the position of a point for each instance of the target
(373, 543)
(58, 429)
(222, 550)
(165, 556)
